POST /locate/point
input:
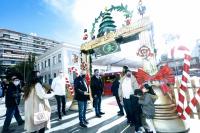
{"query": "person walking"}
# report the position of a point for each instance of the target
(58, 86)
(148, 107)
(36, 100)
(12, 100)
(82, 94)
(127, 86)
(114, 89)
(97, 90)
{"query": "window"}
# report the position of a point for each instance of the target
(54, 60)
(49, 63)
(42, 64)
(45, 64)
(59, 58)
(54, 75)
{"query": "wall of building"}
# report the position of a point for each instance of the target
(58, 58)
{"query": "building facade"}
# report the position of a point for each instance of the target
(62, 57)
(15, 46)
(177, 66)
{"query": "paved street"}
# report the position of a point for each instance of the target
(109, 123)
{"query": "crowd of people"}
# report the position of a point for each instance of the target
(137, 102)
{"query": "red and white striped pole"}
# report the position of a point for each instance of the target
(185, 78)
(190, 108)
(73, 69)
(69, 86)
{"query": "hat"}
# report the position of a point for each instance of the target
(14, 77)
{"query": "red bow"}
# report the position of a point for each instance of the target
(164, 75)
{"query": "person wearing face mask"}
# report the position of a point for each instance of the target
(12, 100)
(58, 86)
(128, 84)
(82, 94)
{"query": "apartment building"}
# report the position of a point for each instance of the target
(15, 46)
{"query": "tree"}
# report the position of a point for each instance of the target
(107, 24)
(24, 69)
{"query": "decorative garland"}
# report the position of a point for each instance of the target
(120, 8)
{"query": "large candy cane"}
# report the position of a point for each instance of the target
(69, 86)
(185, 78)
(190, 108)
(73, 69)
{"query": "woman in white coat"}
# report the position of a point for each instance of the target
(36, 100)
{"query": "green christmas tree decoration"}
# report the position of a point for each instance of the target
(107, 24)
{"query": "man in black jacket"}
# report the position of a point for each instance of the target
(12, 101)
(81, 95)
(97, 90)
(114, 89)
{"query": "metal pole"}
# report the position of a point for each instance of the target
(25, 66)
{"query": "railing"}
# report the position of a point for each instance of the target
(190, 93)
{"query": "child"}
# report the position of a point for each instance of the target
(148, 107)
(137, 111)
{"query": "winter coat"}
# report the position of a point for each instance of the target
(13, 95)
(36, 102)
(96, 86)
(80, 88)
(147, 102)
(115, 87)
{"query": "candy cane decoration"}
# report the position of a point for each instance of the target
(73, 69)
(191, 106)
(69, 86)
(185, 78)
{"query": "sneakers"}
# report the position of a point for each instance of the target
(83, 125)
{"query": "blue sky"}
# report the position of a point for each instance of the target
(35, 16)
(64, 20)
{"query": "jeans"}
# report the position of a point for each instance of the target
(97, 104)
(9, 114)
(119, 104)
(82, 106)
(60, 99)
(128, 109)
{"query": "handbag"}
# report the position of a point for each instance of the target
(41, 116)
